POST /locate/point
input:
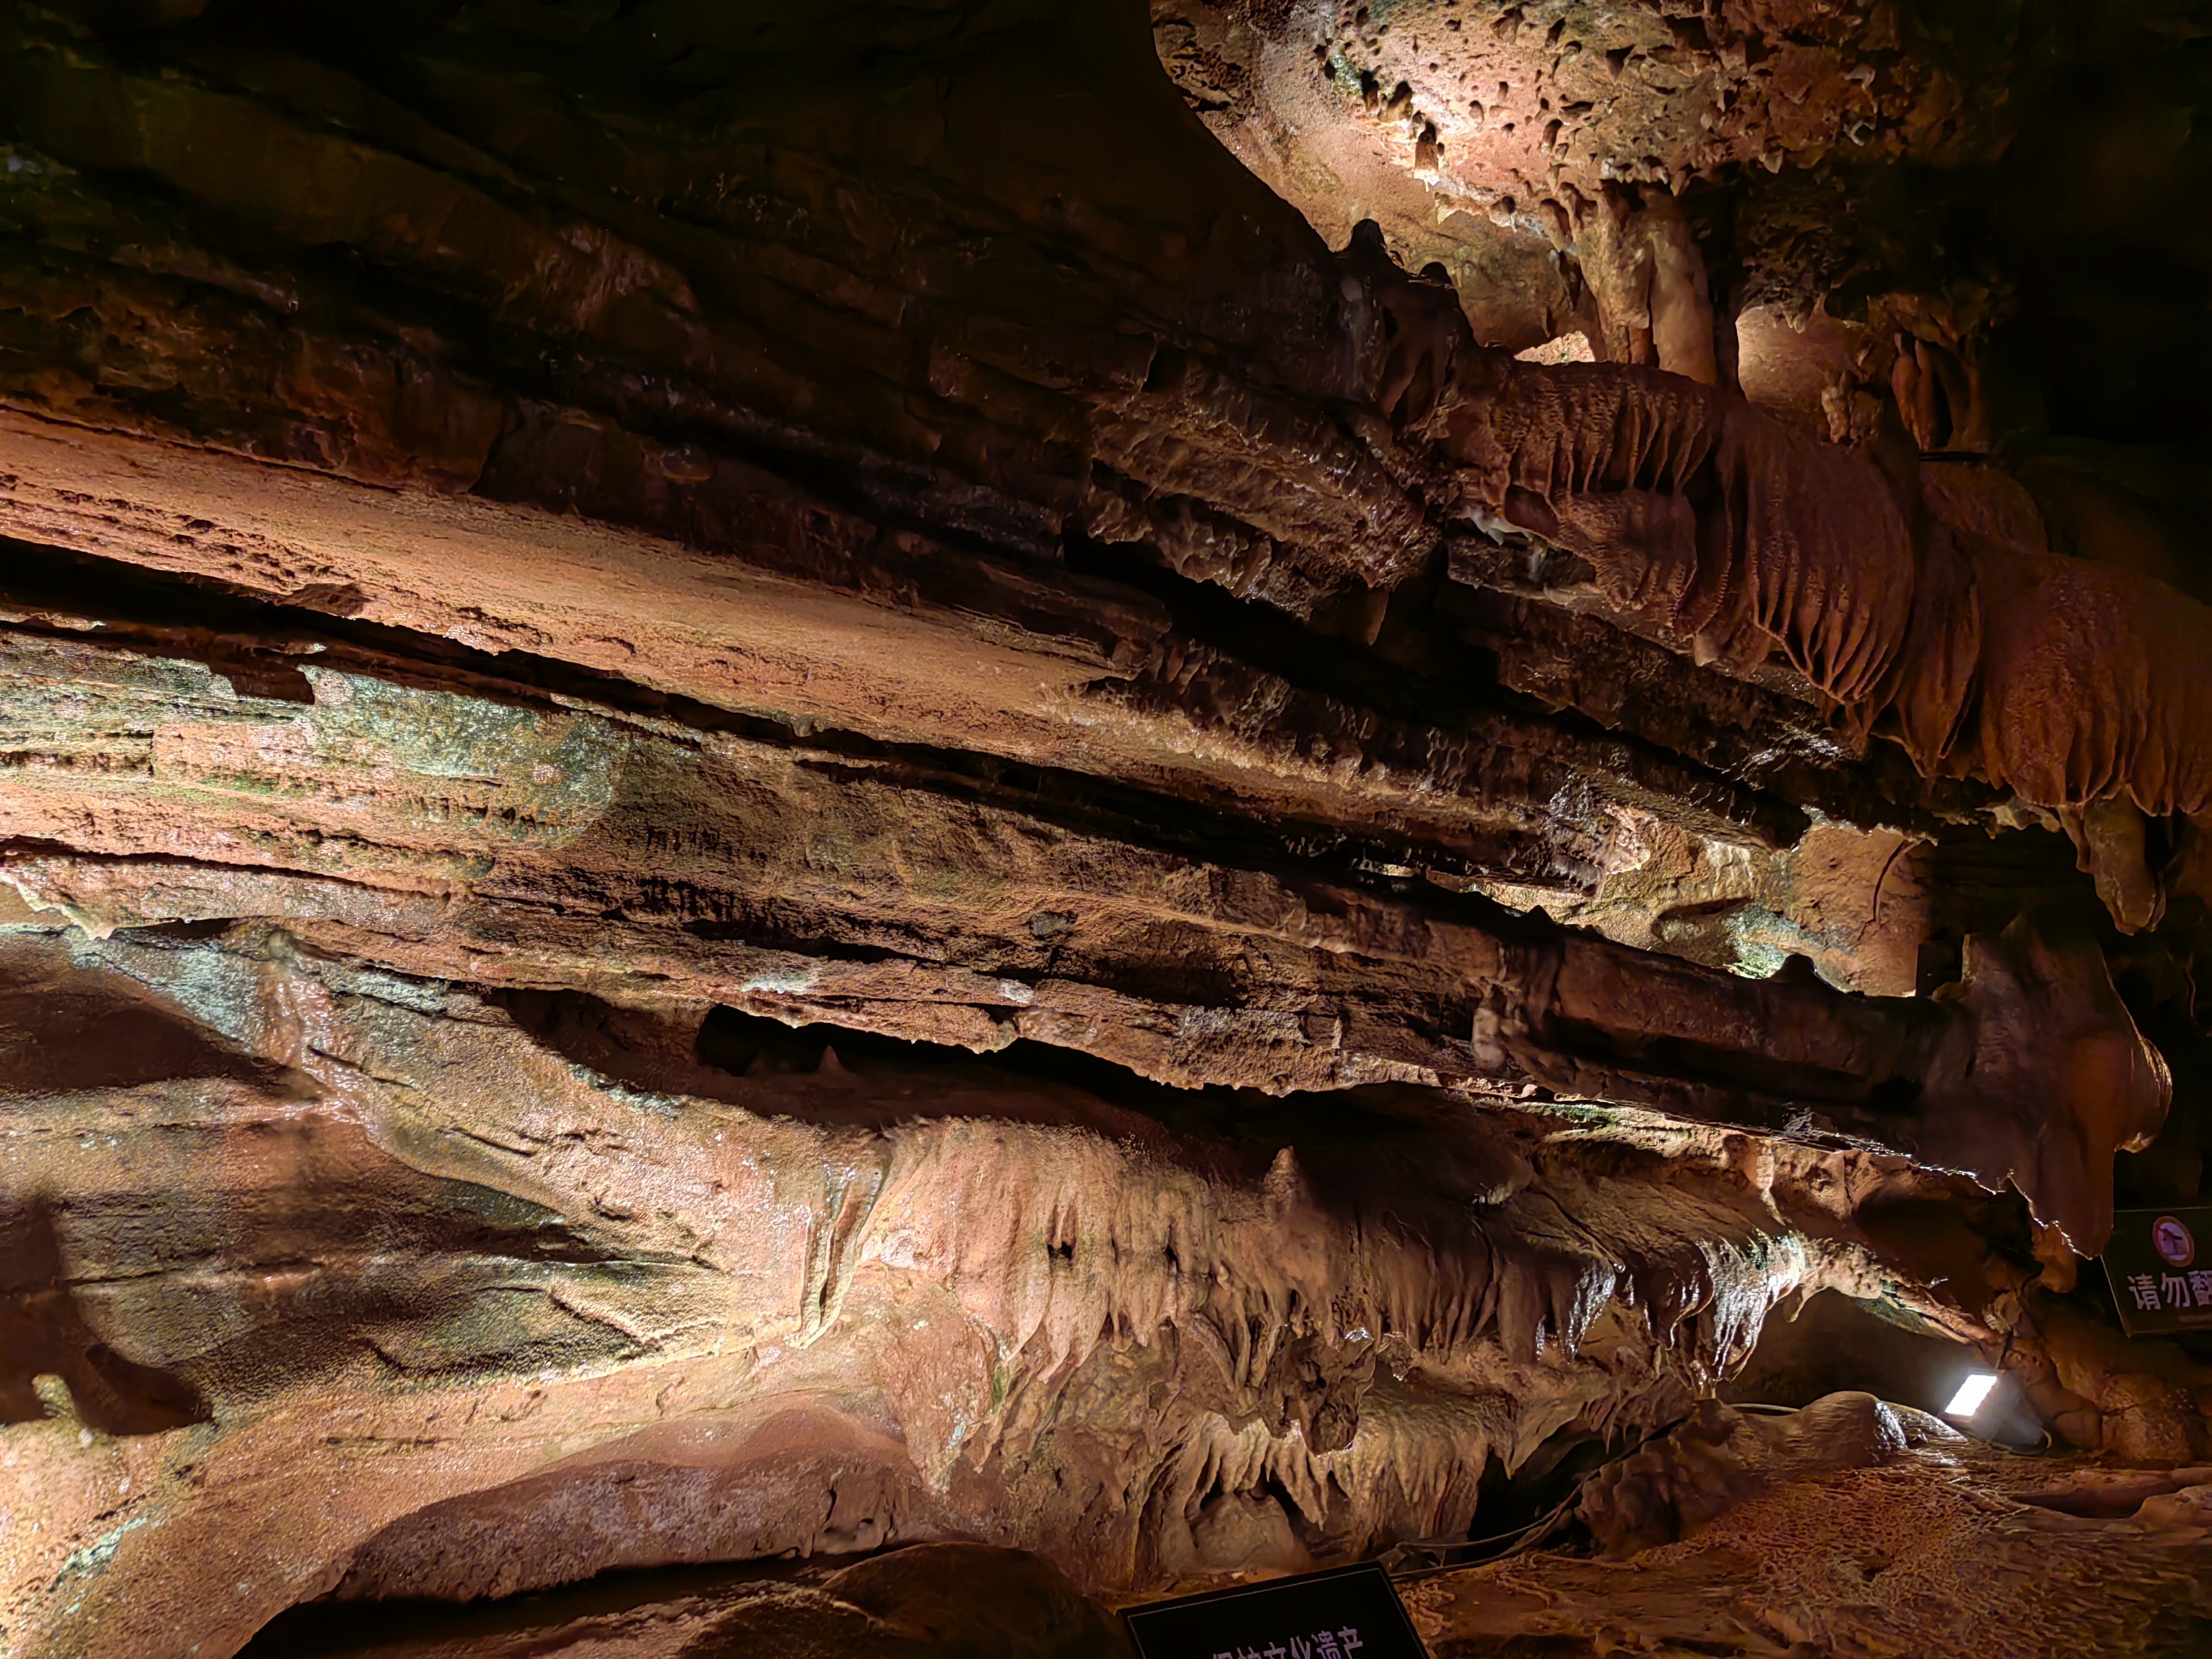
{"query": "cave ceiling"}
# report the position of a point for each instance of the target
(849, 829)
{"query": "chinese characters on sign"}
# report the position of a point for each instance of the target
(2170, 1291)
(1349, 1612)
(1321, 1644)
(2160, 1263)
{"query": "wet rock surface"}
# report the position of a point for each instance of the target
(817, 836)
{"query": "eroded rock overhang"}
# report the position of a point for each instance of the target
(544, 555)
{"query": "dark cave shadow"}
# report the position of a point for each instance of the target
(1367, 1150)
(64, 1029)
(43, 1330)
(986, 1602)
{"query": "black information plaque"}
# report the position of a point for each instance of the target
(2160, 1263)
(1347, 1613)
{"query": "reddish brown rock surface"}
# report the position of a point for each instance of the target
(804, 844)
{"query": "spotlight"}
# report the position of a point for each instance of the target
(1971, 1394)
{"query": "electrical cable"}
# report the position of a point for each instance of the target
(1524, 1538)
(1520, 1538)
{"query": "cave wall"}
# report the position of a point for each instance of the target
(782, 786)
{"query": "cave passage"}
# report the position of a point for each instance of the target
(855, 831)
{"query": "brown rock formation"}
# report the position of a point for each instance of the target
(1781, 1527)
(800, 846)
(666, 1313)
(2071, 686)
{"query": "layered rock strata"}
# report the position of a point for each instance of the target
(487, 1291)
(751, 779)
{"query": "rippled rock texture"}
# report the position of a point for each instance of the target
(501, 1293)
(803, 843)
(1851, 1527)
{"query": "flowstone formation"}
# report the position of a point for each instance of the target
(845, 833)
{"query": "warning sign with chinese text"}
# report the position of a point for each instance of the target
(1348, 1613)
(2160, 1263)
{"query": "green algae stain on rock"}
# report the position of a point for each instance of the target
(482, 775)
(519, 774)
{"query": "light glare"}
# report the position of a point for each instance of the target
(1971, 1391)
